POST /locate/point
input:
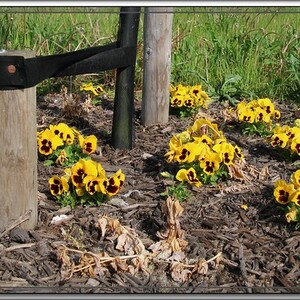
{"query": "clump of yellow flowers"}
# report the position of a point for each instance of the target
(64, 145)
(96, 90)
(203, 153)
(288, 195)
(287, 137)
(185, 100)
(257, 115)
(85, 182)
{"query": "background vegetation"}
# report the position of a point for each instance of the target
(232, 52)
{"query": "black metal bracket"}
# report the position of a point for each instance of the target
(17, 72)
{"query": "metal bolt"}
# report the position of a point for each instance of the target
(11, 69)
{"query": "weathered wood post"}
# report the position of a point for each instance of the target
(18, 153)
(157, 64)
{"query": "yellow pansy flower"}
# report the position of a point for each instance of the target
(48, 141)
(293, 132)
(295, 178)
(177, 101)
(267, 105)
(241, 105)
(211, 163)
(297, 123)
(97, 90)
(188, 175)
(64, 132)
(295, 197)
(238, 152)
(189, 102)
(58, 185)
(90, 87)
(82, 169)
(280, 139)
(94, 184)
(181, 90)
(61, 158)
(283, 191)
(246, 115)
(281, 129)
(204, 126)
(196, 90)
(114, 184)
(276, 114)
(205, 139)
(295, 145)
(88, 144)
(226, 152)
(202, 150)
(186, 153)
(291, 215)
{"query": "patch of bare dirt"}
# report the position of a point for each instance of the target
(222, 247)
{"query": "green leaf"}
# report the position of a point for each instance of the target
(68, 150)
(178, 191)
(48, 162)
(231, 79)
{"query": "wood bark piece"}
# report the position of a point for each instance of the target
(19, 235)
(16, 223)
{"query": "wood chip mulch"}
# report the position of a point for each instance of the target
(260, 250)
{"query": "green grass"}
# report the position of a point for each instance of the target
(261, 45)
(262, 48)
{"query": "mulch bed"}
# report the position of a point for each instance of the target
(260, 250)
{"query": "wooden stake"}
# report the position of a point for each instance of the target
(18, 153)
(157, 64)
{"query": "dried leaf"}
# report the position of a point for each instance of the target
(218, 258)
(140, 263)
(204, 129)
(67, 264)
(121, 241)
(93, 264)
(163, 235)
(164, 254)
(101, 271)
(229, 115)
(235, 188)
(236, 172)
(179, 273)
(113, 223)
(119, 265)
(264, 173)
(146, 155)
(102, 223)
(74, 105)
(172, 239)
(177, 256)
(156, 247)
(203, 115)
(201, 267)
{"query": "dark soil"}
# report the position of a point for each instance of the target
(260, 250)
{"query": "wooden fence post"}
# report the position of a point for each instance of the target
(18, 154)
(157, 64)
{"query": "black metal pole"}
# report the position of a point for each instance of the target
(123, 118)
